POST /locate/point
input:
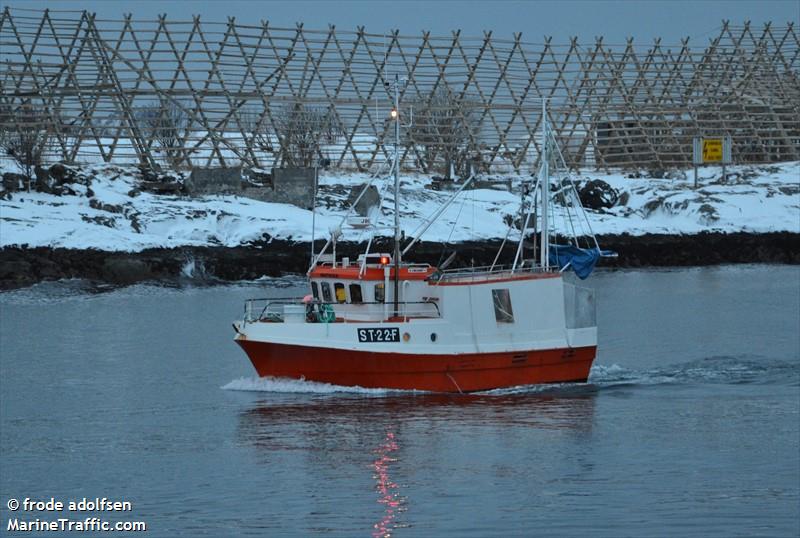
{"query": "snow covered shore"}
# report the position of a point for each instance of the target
(107, 212)
(104, 227)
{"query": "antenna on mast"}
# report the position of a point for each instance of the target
(545, 181)
(396, 116)
(397, 253)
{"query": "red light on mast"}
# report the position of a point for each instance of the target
(384, 260)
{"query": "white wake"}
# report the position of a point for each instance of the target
(297, 386)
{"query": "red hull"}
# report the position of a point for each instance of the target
(438, 373)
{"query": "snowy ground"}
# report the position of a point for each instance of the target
(754, 199)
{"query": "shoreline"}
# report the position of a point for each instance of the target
(22, 267)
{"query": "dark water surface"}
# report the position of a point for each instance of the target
(689, 425)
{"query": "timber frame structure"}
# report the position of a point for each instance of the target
(230, 86)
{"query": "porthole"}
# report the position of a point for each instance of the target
(433, 337)
(406, 337)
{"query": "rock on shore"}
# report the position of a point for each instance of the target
(21, 267)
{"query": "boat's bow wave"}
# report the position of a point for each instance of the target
(300, 386)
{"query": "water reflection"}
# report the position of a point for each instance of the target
(388, 490)
(344, 439)
(327, 421)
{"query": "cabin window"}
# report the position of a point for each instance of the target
(326, 292)
(341, 296)
(315, 290)
(380, 294)
(502, 306)
(355, 293)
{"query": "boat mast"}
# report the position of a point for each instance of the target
(545, 181)
(314, 213)
(396, 114)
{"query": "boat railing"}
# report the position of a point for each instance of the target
(487, 271)
(275, 310)
(267, 309)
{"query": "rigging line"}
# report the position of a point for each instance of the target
(472, 230)
(588, 224)
(569, 214)
(581, 230)
(551, 224)
(563, 217)
(339, 227)
(563, 213)
(503, 244)
(580, 205)
(427, 223)
(531, 209)
(576, 203)
(553, 160)
(460, 208)
(511, 225)
(536, 226)
(447, 242)
(383, 189)
(519, 254)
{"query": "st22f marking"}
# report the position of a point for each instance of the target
(380, 334)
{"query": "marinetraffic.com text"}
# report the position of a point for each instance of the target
(69, 516)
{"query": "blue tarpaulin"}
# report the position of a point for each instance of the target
(582, 260)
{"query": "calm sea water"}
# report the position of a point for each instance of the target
(689, 426)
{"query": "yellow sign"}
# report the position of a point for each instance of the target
(712, 150)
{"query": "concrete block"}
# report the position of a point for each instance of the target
(214, 180)
(371, 198)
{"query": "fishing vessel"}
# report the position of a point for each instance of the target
(382, 321)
